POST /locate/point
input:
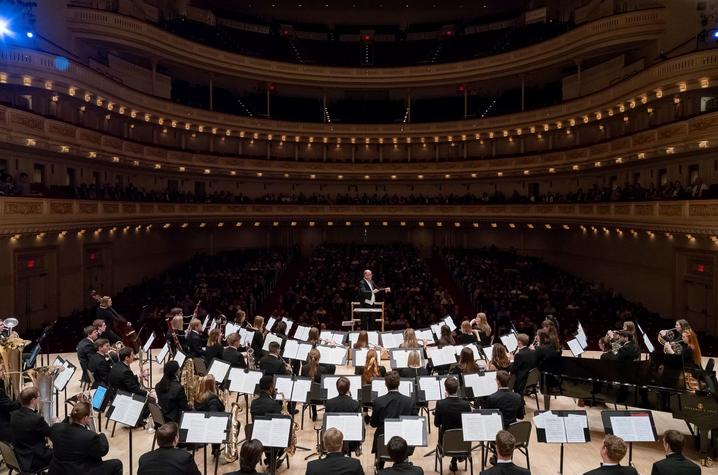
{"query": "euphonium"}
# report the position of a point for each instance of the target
(231, 445)
(673, 338)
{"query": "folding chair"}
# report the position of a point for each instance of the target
(452, 444)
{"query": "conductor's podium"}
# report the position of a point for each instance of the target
(377, 309)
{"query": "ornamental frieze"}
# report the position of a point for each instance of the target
(27, 121)
(672, 131)
(87, 208)
(61, 129)
(22, 208)
(59, 207)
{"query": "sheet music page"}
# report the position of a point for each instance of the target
(450, 322)
(290, 324)
(303, 351)
(290, 349)
(302, 333)
(373, 338)
(270, 338)
(126, 410)
(436, 329)
(163, 352)
(270, 324)
(555, 430)
(332, 354)
(581, 337)
(575, 346)
(179, 358)
(64, 376)
(195, 426)
(379, 387)
(218, 369)
(242, 382)
(444, 356)
(481, 427)
(360, 356)
(425, 334)
(230, 328)
(540, 418)
(246, 341)
(284, 385)
(510, 341)
(575, 424)
(633, 428)
(481, 385)
(300, 393)
(58, 361)
(432, 390)
(488, 352)
(387, 340)
(400, 358)
(325, 335)
(406, 388)
(349, 424)
(204, 323)
(474, 349)
(272, 432)
(213, 325)
(411, 430)
(149, 342)
(647, 342)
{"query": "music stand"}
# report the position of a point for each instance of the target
(378, 387)
(61, 379)
(274, 432)
(219, 369)
(350, 424)
(204, 428)
(412, 429)
(163, 353)
(244, 381)
(631, 426)
(100, 398)
(126, 408)
(481, 384)
(147, 349)
(562, 427)
(481, 425)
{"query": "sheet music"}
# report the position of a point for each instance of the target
(201, 429)
(301, 333)
(633, 428)
(488, 352)
(269, 339)
(360, 356)
(436, 329)
(148, 343)
(335, 355)
(350, 425)
(470, 346)
(481, 427)
(218, 369)
(444, 356)
(230, 328)
(63, 377)
(431, 387)
(373, 337)
(427, 335)
(540, 418)
(450, 322)
(301, 389)
(213, 325)
(283, 385)
(555, 430)
(163, 353)
(481, 385)
(575, 346)
(272, 432)
(401, 358)
(270, 324)
(575, 424)
(290, 324)
(296, 350)
(647, 342)
(126, 410)
(58, 361)
(245, 337)
(330, 384)
(242, 382)
(510, 341)
(412, 430)
(179, 358)
(379, 386)
(204, 323)
(392, 339)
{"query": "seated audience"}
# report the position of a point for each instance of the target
(29, 432)
(399, 453)
(167, 458)
(335, 463)
(448, 412)
(613, 450)
(674, 463)
(505, 443)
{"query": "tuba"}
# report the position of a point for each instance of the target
(42, 378)
(231, 445)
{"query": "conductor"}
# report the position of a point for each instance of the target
(367, 297)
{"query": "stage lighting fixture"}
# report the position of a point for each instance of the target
(30, 34)
(4, 27)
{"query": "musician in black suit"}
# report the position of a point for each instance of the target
(510, 404)
(249, 456)
(171, 396)
(367, 296)
(265, 403)
(674, 463)
(29, 432)
(272, 363)
(7, 405)
(390, 406)
(194, 339)
(613, 450)
(100, 363)
(76, 449)
(231, 353)
(103, 331)
(629, 350)
(167, 458)
(399, 453)
(335, 463)
(122, 377)
(448, 412)
(505, 443)
(105, 312)
(85, 348)
(344, 403)
(524, 361)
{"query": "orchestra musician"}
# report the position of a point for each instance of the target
(214, 347)
(410, 341)
(103, 332)
(100, 363)
(240, 318)
(614, 336)
(613, 450)
(272, 363)
(167, 458)
(448, 412)
(689, 350)
(122, 377)
(194, 339)
(466, 364)
(258, 338)
(481, 324)
(467, 334)
(249, 456)
(209, 401)
(231, 353)
(7, 405)
(29, 432)
(414, 368)
(171, 396)
(392, 405)
(106, 312)
(628, 349)
(505, 443)
(674, 463)
(510, 404)
(546, 349)
(265, 404)
(367, 296)
(499, 358)
(399, 453)
(604, 344)
(85, 348)
(372, 368)
(672, 338)
(175, 332)
(335, 463)
(524, 361)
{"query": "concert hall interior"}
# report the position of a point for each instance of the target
(341, 237)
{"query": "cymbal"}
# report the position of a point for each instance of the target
(11, 322)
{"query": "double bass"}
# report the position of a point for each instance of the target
(121, 326)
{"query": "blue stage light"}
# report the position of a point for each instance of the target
(30, 34)
(4, 27)
(715, 34)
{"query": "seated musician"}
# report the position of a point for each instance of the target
(628, 349)
(613, 450)
(467, 364)
(171, 396)
(392, 405)
(313, 369)
(167, 458)
(410, 340)
(265, 404)
(372, 368)
(343, 402)
(313, 338)
(240, 318)
(104, 312)
(335, 463)
(448, 413)
(604, 343)
(122, 377)
(102, 331)
(208, 401)
(177, 332)
(231, 353)
(468, 335)
(510, 404)
(194, 339)
(505, 443)
(77, 449)
(414, 368)
(445, 339)
(7, 405)
(673, 336)
(399, 453)
(550, 326)
(615, 336)
(249, 456)
(524, 361)
(214, 347)
(272, 363)
(258, 338)
(29, 432)
(546, 348)
(85, 348)
(689, 351)
(499, 358)
(481, 325)
(101, 363)
(674, 463)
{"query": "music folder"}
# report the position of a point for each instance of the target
(481, 425)
(180, 357)
(336, 355)
(204, 427)
(219, 369)
(561, 427)
(351, 424)
(63, 376)
(411, 428)
(243, 380)
(329, 383)
(400, 358)
(575, 346)
(272, 430)
(163, 353)
(293, 388)
(126, 408)
(630, 425)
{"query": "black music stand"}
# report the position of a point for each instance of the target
(147, 348)
(405, 427)
(207, 428)
(631, 426)
(244, 382)
(60, 384)
(296, 394)
(541, 435)
(127, 408)
(273, 433)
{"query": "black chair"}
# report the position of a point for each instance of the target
(157, 417)
(382, 454)
(532, 385)
(521, 431)
(8, 454)
(452, 444)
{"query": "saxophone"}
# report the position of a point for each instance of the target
(189, 380)
(292, 447)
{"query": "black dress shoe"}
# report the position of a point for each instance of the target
(454, 467)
